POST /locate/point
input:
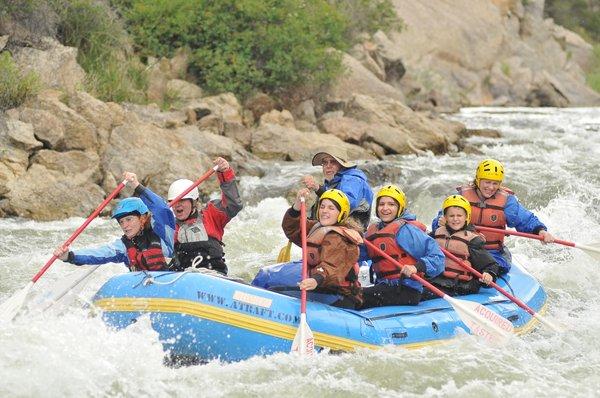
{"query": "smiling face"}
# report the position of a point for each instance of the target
(328, 213)
(131, 225)
(488, 188)
(183, 209)
(456, 217)
(330, 167)
(387, 209)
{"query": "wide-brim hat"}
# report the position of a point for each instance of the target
(317, 160)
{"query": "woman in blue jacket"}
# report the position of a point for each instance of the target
(148, 226)
(404, 239)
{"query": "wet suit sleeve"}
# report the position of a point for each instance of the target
(230, 202)
(111, 253)
(481, 259)
(163, 219)
(520, 218)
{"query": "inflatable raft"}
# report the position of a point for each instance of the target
(204, 316)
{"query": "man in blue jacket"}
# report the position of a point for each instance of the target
(341, 174)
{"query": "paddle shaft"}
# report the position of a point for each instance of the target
(413, 276)
(304, 254)
(523, 234)
(80, 229)
(493, 284)
(194, 185)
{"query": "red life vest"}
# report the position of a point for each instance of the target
(313, 249)
(385, 239)
(144, 252)
(457, 244)
(488, 213)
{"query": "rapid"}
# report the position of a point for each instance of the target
(552, 162)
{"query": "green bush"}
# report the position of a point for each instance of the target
(112, 73)
(255, 45)
(581, 16)
(15, 87)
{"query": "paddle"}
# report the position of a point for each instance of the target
(10, 307)
(284, 255)
(79, 280)
(504, 292)
(480, 320)
(592, 250)
(304, 342)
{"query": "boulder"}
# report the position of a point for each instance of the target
(47, 128)
(56, 65)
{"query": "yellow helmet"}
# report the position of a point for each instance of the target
(457, 201)
(340, 198)
(489, 169)
(394, 192)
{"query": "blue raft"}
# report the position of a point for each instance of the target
(206, 317)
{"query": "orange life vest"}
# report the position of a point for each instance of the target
(385, 239)
(488, 213)
(145, 252)
(313, 249)
(457, 244)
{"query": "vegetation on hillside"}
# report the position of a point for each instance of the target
(15, 86)
(245, 46)
(583, 17)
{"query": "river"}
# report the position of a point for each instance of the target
(552, 162)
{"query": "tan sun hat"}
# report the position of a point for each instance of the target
(317, 160)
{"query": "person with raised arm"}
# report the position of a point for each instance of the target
(148, 226)
(200, 228)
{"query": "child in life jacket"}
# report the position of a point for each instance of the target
(332, 246)
(404, 239)
(148, 226)
(496, 206)
(459, 237)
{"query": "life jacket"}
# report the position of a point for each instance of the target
(385, 239)
(144, 252)
(457, 244)
(313, 249)
(488, 213)
(193, 247)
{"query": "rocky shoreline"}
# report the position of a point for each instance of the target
(63, 150)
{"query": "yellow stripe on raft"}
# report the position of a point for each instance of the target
(253, 323)
(227, 317)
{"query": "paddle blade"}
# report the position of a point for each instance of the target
(285, 253)
(592, 249)
(65, 290)
(304, 342)
(10, 308)
(482, 321)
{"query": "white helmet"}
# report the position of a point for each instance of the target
(177, 187)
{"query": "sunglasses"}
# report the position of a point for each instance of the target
(328, 161)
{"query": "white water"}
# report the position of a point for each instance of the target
(552, 162)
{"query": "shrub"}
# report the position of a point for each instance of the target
(15, 87)
(243, 45)
(112, 73)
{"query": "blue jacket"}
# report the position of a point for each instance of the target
(420, 246)
(353, 182)
(163, 224)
